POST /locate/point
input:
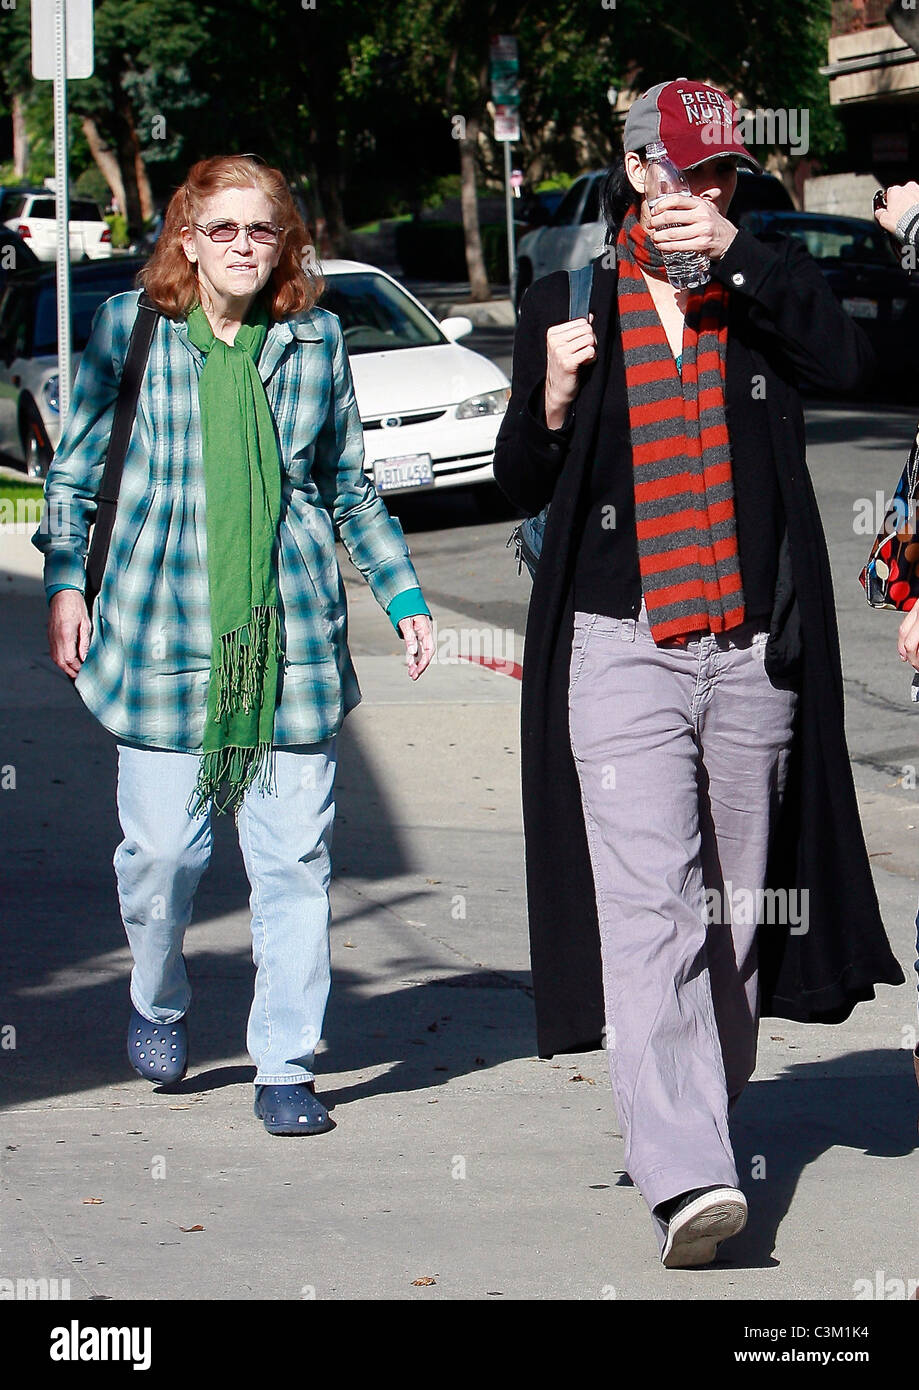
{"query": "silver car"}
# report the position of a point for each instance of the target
(30, 423)
(574, 234)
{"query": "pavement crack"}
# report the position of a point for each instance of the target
(80, 1274)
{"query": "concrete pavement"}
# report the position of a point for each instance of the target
(459, 1157)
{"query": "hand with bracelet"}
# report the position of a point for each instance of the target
(891, 206)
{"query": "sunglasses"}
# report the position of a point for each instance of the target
(225, 231)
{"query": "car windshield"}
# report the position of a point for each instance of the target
(85, 299)
(833, 239)
(376, 315)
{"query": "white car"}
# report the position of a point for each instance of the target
(33, 215)
(430, 408)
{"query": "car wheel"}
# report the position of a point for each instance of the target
(524, 281)
(36, 448)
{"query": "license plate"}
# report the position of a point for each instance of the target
(861, 308)
(406, 471)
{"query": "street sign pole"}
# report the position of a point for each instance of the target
(62, 48)
(505, 93)
(62, 206)
(509, 207)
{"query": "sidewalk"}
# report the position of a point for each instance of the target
(458, 1156)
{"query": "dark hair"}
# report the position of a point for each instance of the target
(616, 197)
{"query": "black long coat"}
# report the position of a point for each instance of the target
(785, 325)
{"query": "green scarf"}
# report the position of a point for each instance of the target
(242, 485)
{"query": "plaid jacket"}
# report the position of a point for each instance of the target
(146, 673)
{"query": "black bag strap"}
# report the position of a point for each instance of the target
(135, 364)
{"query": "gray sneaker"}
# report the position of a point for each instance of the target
(699, 1221)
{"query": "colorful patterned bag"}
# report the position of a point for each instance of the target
(891, 576)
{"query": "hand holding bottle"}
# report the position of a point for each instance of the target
(682, 222)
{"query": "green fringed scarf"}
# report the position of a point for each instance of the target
(242, 485)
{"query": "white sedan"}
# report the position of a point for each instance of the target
(430, 408)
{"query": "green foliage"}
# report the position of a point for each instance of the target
(91, 184)
(119, 225)
(379, 85)
(437, 250)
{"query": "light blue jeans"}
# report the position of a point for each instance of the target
(285, 837)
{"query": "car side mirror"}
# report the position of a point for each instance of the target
(456, 327)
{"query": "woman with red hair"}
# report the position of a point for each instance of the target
(218, 653)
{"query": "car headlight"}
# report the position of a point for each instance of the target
(52, 393)
(486, 403)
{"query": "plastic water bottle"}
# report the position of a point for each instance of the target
(685, 269)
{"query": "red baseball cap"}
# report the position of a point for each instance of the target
(695, 121)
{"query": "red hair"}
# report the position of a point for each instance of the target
(171, 280)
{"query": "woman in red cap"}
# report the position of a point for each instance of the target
(694, 853)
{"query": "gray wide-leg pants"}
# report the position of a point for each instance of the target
(681, 754)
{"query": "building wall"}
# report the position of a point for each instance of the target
(846, 195)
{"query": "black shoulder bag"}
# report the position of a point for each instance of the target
(135, 364)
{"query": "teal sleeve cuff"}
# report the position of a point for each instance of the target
(56, 588)
(407, 605)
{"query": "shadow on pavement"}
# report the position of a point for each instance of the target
(781, 1127)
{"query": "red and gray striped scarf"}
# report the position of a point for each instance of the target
(684, 490)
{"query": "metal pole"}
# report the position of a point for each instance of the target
(62, 204)
(509, 202)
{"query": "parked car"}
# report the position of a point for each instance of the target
(758, 193)
(576, 232)
(14, 255)
(30, 423)
(867, 277)
(533, 209)
(573, 235)
(33, 216)
(430, 409)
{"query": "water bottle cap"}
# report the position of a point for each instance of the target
(656, 147)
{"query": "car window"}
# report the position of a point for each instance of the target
(14, 323)
(566, 212)
(41, 207)
(377, 315)
(85, 212)
(591, 211)
(830, 240)
(85, 299)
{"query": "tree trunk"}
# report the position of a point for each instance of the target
(20, 139)
(326, 160)
(479, 288)
(143, 188)
(127, 145)
(106, 161)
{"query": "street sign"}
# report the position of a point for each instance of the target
(505, 95)
(507, 123)
(79, 21)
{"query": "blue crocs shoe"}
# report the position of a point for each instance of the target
(292, 1109)
(158, 1051)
